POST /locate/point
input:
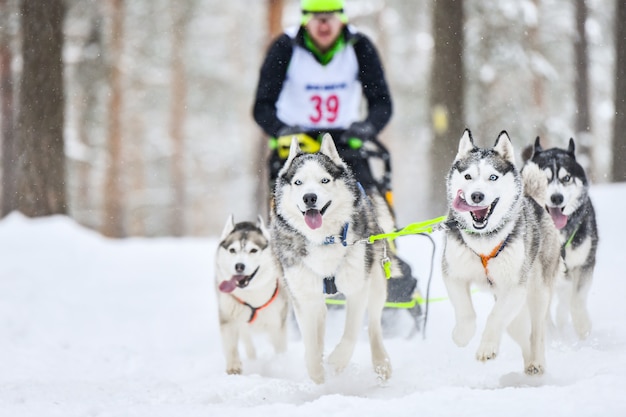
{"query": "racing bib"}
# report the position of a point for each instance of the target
(317, 96)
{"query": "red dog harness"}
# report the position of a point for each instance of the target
(255, 310)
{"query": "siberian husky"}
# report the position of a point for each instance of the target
(569, 205)
(499, 237)
(250, 292)
(321, 221)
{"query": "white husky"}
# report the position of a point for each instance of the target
(249, 288)
(569, 205)
(320, 222)
(500, 238)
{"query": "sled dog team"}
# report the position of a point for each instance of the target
(527, 234)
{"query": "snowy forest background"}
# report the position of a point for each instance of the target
(157, 130)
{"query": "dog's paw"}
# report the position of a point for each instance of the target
(234, 369)
(487, 351)
(582, 325)
(316, 371)
(463, 333)
(534, 369)
(339, 358)
(317, 375)
(383, 369)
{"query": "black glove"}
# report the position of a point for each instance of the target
(289, 130)
(361, 130)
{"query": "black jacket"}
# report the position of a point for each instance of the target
(274, 70)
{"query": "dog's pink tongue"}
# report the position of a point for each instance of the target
(559, 219)
(459, 204)
(231, 284)
(313, 218)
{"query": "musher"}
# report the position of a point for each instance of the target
(312, 81)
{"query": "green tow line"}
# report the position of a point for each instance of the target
(426, 226)
(394, 304)
(412, 229)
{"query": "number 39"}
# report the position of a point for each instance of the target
(324, 109)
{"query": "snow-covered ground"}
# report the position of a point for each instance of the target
(97, 327)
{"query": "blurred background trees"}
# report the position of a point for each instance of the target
(447, 95)
(156, 133)
(39, 160)
(619, 124)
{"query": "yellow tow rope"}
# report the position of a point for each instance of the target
(426, 226)
(417, 299)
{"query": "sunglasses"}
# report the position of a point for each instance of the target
(321, 17)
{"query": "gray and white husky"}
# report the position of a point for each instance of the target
(498, 237)
(250, 293)
(569, 205)
(321, 220)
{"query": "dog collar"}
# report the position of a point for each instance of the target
(255, 310)
(577, 218)
(330, 240)
(565, 245)
(569, 240)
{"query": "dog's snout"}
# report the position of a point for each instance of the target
(310, 199)
(556, 199)
(239, 267)
(477, 197)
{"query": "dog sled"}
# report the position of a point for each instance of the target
(370, 162)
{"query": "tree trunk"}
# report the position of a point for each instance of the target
(263, 193)
(275, 17)
(447, 95)
(618, 172)
(113, 222)
(584, 143)
(41, 174)
(7, 116)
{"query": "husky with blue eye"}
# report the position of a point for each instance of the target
(569, 205)
(321, 222)
(499, 237)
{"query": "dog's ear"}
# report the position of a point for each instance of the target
(466, 144)
(230, 225)
(537, 147)
(504, 147)
(530, 151)
(294, 150)
(261, 225)
(571, 149)
(329, 149)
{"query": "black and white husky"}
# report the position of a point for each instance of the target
(320, 224)
(250, 293)
(569, 205)
(499, 237)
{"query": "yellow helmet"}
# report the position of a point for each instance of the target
(319, 6)
(322, 6)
